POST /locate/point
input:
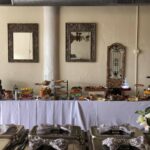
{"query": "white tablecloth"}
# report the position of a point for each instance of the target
(82, 113)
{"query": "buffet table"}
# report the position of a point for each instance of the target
(82, 113)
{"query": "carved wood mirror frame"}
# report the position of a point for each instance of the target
(23, 28)
(116, 56)
(79, 32)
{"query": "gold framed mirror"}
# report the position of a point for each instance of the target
(80, 42)
(23, 42)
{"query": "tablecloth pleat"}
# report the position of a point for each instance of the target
(81, 113)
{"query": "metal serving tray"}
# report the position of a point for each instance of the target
(13, 132)
(96, 138)
(74, 135)
(13, 137)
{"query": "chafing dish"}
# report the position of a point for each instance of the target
(74, 136)
(11, 136)
(96, 137)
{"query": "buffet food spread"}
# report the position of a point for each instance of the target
(71, 137)
(60, 90)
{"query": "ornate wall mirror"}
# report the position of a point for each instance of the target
(23, 43)
(80, 42)
(115, 65)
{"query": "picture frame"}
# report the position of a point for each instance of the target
(23, 42)
(80, 42)
(116, 63)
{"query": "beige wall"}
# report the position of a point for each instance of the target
(114, 24)
(22, 74)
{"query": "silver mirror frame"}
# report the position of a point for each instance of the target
(31, 27)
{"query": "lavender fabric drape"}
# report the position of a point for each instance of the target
(82, 113)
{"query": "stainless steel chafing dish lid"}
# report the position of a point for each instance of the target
(96, 137)
(74, 132)
(56, 129)
(95, 132)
